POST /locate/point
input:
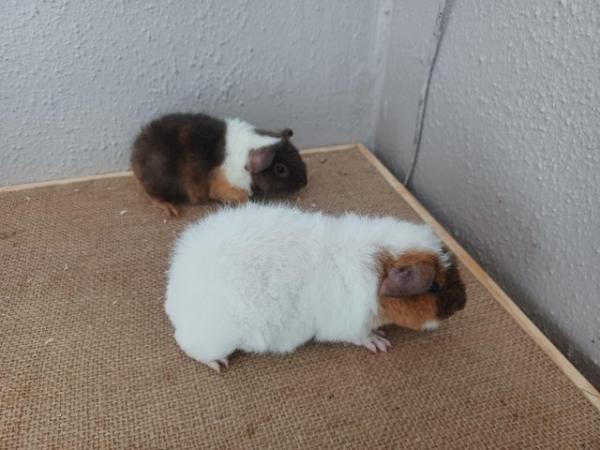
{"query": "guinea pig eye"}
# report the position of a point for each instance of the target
(281, 170)
(434, 287)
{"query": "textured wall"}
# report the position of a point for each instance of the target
(510, 159)
(78, 78)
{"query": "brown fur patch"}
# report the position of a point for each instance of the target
(195, 184)
(220, 189)
(410, 312)
(453, 296)
(413, 312)
(173, 156)
(185, 135)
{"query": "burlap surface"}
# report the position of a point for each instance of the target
(87, 358)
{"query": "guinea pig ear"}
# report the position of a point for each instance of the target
(287, 133)
(407, 281)
(259, 159)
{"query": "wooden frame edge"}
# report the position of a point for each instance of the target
(127, 173)
(328, 149)
(40, 184)
(584, 386)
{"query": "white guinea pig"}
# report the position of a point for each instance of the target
(268, 278)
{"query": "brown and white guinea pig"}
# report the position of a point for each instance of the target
(268, 278)
(193, 158)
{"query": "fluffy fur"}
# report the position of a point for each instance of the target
(194, 158)
(268, 278)
(240, 138)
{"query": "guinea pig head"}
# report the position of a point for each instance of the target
(277, 168)
(417, 289)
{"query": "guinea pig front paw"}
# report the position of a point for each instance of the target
(171, 209)
(375, 343)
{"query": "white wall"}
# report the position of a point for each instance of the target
(510, 158)
(78, 78)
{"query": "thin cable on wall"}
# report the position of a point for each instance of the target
(438, 33)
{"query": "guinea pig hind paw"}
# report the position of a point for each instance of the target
(214, 365)
(375, 343)
(225, 362)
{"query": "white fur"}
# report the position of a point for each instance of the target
(268, 278)
(430, 325)
(240, 138)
